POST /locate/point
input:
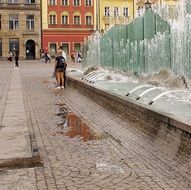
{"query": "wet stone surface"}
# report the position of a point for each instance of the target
(72, 126)
(96, 150)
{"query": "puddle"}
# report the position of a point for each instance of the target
(72, 126)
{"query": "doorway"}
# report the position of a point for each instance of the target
(30, 50)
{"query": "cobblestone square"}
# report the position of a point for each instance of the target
(103, 152)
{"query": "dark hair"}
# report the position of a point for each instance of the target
(60, 47)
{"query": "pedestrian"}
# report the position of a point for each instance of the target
(79, 57)
(64, 55)
(73, 56)
(10, 56)
(16, 58)
(47, 57)
(60, 67)
(42, 55)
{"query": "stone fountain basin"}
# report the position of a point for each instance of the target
(172, 110)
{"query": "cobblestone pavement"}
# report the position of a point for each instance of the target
(117, 157)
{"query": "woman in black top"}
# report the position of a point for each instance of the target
(60, 67)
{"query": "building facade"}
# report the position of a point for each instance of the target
(20, 28)
(112, 12)
(141, 3)
(66, 23)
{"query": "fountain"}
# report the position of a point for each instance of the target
(155, 45)
(143, 76)
(158, 39)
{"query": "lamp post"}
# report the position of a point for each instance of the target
(147, 5)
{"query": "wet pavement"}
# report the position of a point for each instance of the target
(85, 147)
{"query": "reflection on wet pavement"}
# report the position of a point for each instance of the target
(72, 126)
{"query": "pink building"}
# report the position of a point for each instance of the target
(66, 23)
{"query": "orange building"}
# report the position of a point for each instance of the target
(66, 23)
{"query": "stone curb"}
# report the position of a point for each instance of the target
(127, 107)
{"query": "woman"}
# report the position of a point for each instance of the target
(60, 66)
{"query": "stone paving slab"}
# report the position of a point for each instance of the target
(14, 135)
(126, 158)
(19, 179)
(123, 158)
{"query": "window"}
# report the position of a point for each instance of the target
(65, 48)
(77, 47)
(116, 11)
(12, 1)
(13, 44)
(107, 12)
(13, 22)
(29, 1)
(65, 2)
(0, 22)
(52, 2)
(53, 49)
(107, 27)
(76, 2)
(30, 22)
(52, 19)
(88, 2)
(76, 20)
(88, 20)
(125, 11)
(64, 19)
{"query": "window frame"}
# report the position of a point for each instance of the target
(88, 3)
(13, 1)
(125, 11)
(87, 21)
(65, 2)
(67, 19)
(15, 22)
(52, 2)
(30, 22)
(52, 19)
(107, 11)
(74, 20)
(76, 3)
(30, 1)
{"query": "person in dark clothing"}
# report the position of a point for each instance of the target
(16, 58)
(60, 67)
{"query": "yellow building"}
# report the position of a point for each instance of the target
(112, 12)
(141, 3)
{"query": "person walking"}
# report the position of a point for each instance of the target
(16, 58)
(60, 67)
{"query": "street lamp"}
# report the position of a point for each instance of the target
(147, 5)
